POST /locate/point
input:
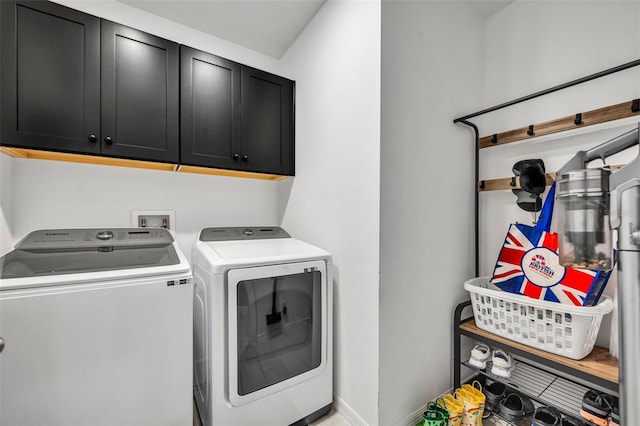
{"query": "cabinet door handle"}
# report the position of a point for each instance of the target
(1, 344)
(245, 158)
(236, 156)
(93, 138)
(108, 140)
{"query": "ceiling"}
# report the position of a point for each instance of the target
(266, 26)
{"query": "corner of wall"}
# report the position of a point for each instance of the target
(6, 203)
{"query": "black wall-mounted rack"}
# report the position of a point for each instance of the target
(530, 131)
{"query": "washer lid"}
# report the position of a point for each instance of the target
(69, 251)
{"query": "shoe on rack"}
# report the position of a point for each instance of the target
(515, 406)
(479, 355)
(501, 363)
(614, 420)
(572, 421)
(547, 416)
(596, 407)
(494, 392)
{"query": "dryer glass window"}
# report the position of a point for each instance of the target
(279, 329)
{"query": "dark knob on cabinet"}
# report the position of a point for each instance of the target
(245, 158)
(93, 138)
(108, 140)
(236, 156)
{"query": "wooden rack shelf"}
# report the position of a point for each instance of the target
(599, 363)
(514, 182)
(589, 118)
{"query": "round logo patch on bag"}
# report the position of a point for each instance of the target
(542, 267)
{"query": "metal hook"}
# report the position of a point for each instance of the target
(578, 120)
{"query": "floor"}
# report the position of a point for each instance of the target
(332, 419)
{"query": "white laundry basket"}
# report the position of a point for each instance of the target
(565, 330)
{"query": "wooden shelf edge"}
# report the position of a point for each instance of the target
(121, 162)
(514, 182)
(589, 118)
(598, 363)
(84, 159)
(230, 173)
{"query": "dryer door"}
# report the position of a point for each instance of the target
(277, 321)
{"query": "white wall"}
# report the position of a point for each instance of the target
(431, 73)
(334, 200)
(531, 46)
(6, 203)
(50, 194)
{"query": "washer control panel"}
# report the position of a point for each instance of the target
(91, 239)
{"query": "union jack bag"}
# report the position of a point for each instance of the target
(528, 264)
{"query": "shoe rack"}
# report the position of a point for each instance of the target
(546, 378)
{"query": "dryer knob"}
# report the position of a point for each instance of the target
(248, 232)
(105, 235)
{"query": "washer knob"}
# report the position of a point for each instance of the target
(105, 235)
(248, 232)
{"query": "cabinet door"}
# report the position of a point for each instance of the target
(139, 94)
(267, 122)
(209, 110)
(50, 77)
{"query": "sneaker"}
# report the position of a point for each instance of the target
(596, 407)
(480, 355)
(501, 363)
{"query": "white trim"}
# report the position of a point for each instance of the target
(347, 412)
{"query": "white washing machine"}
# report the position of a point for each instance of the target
(96, 329)
(262, 328)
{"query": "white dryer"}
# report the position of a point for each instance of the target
(262, 328)
(96, 329)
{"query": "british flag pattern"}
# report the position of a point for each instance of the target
(528, 264)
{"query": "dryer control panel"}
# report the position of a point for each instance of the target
(242, 233)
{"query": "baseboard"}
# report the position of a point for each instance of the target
(347, 412)
(354, 419)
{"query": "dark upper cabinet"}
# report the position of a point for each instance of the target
(267, 111)
(140, 87)
(234, 116)
(74, 83)
(210, 110)
(50, 77)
